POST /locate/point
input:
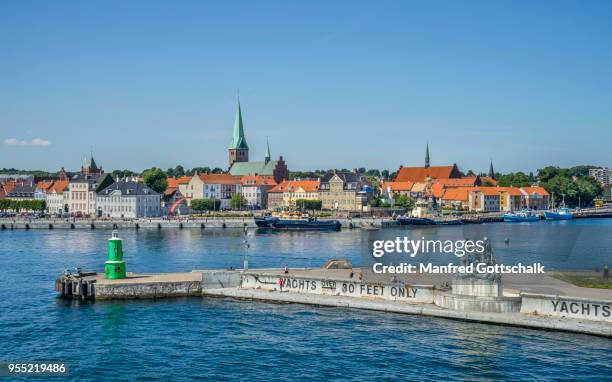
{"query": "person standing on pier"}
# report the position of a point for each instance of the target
(286, 269)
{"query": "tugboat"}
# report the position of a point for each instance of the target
(296, 221)
(521, 217)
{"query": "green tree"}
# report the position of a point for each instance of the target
(155, 179)
(208, 204)
(308, 204)
(403, 201)
(516, 179)
(238, 201)
(6, 204)
(179, 171)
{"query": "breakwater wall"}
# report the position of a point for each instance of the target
(326, 287)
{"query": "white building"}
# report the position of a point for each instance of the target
(214, 186)
(58, 197)
(82, 192)
(128, 200)
(255, 190)
(603, 176)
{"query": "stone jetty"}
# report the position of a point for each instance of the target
(552, 304)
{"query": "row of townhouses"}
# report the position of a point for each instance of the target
(89, 192)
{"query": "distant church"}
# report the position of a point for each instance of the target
(238, 151)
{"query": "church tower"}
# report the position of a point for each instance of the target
(427, 156)
(491, 173)
(238, 148)
(267, 156)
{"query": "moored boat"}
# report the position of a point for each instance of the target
(296, 222)
(411, 220)
(559, 214)
(520, 217)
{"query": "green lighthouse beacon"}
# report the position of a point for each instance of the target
(115, 266)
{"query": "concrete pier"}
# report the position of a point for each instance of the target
(574, 309)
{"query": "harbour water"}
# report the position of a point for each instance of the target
(191, 338)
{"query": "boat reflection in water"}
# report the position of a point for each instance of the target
(295, 221)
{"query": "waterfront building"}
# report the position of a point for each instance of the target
(419, 174)
(41, 189)
(604, 176)
(343, 190)
(510, 199)
(535, 198)
(255, 190)
(484, 199)
(128, 200)
(238, 154)
(175, 191)
(58, 198)
(82, 188)
(390, 190)
(286, 193)
(22, 191)
(456, 198)
(216, 186)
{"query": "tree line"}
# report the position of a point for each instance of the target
(19, 205)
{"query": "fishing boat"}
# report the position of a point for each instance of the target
(296, 222)
(559, 214)
(520, 217)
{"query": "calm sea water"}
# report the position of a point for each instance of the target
(194, 338)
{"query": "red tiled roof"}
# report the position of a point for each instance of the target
(513, 191)
(59, 186)
(396, 186)
(437, 190)
(258, 180)
(170, 191)
(291, 185)
(44, 185)
(419, 174)
(174, 182)
(457, 193)
(491, 191)
(468, 181)
(533, 189)
(487, 180)
(219, 178)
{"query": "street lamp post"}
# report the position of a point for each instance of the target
(245, 264)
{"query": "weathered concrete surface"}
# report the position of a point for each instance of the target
(467, 303)
(149, 286)
(565, 306)
(338, 287)
(342, 287)
(513, 319)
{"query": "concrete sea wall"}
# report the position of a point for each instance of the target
(571, 307)
(330, 287)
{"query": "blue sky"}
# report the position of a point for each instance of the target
(332, 83)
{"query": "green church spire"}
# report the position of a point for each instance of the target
(491, 172)
(427, 155)
(238, 139)
(268, 156)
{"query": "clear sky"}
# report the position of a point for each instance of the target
(333, 83)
